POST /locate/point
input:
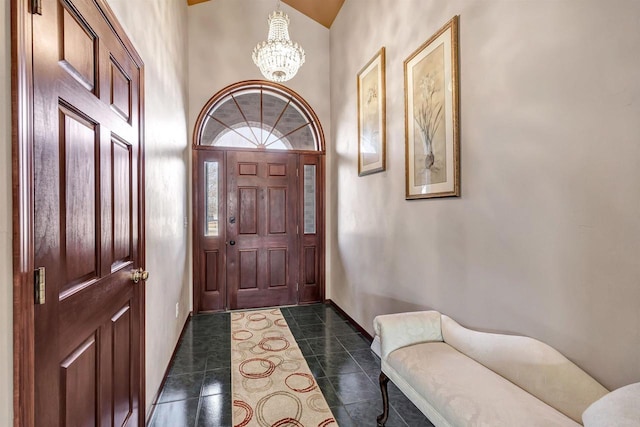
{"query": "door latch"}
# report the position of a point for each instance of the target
(39, 284)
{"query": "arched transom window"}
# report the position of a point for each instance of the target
(259, 115)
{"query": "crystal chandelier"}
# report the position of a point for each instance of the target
(278, 58)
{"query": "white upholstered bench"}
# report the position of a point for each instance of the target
(460, 377)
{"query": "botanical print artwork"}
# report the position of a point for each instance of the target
(430, 156)
(370, 141)
(371, 116)
(432, 129)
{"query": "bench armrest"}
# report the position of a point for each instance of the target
(619, 408)
(404, 329)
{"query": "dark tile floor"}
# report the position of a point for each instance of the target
(197, 390)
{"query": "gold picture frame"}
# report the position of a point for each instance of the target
(372, 144)
(432, 110)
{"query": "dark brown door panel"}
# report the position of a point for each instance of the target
(262, 244)
(88, 236)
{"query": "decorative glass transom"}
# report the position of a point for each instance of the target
(259, 116)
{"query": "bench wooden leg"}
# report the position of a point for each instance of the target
(382, 418)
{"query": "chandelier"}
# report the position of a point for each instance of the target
(278, 58)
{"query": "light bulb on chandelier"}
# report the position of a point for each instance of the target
(278, 58)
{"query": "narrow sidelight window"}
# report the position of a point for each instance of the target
(309, 199)
(211, 185)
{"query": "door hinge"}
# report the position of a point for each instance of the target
(297, 171)
(36, 7)
(39, 284)
(297, 229)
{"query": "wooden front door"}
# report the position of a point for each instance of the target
(258, 199)
(262, 229)
(224, 194)
(88, 233)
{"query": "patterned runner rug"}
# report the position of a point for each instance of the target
(271, 382)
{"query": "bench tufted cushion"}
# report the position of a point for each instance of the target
(464, 392)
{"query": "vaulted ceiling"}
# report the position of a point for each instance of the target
(322, 11)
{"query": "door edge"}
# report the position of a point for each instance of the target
(22, 216)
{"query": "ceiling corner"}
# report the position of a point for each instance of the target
(192, 2)
(322, 11)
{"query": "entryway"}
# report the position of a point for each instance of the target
(258, 198)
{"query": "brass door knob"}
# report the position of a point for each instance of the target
(139, 274)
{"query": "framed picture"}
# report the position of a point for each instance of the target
(372, 116)
(432, 134)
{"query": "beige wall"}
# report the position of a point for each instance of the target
(158, 30)
(222, 35)
(545, 238)
(6, 278)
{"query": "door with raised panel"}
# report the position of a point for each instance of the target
(262, 229)
(87, 217)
